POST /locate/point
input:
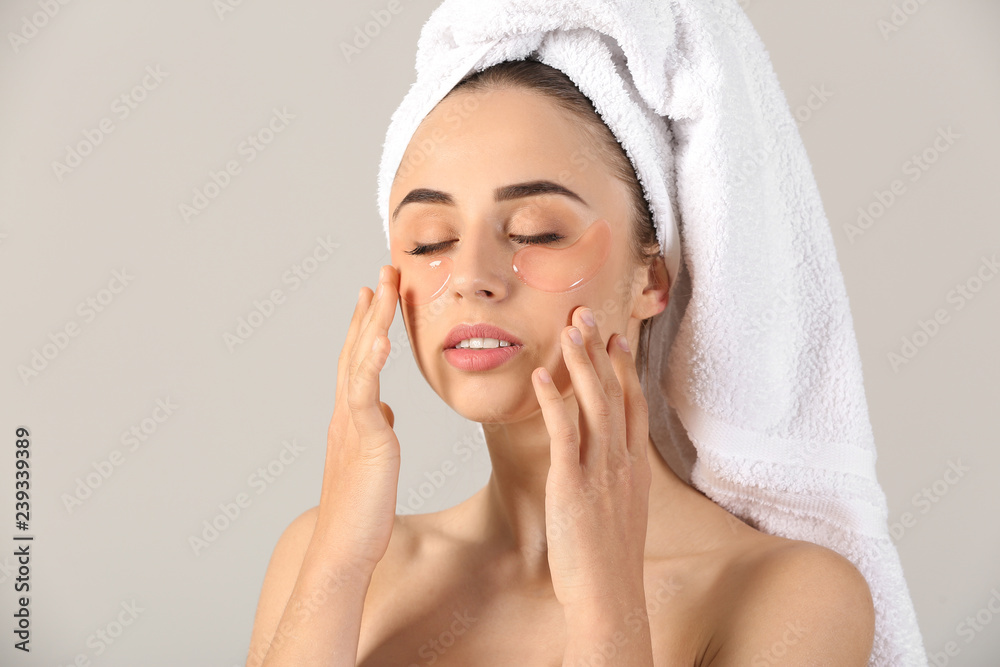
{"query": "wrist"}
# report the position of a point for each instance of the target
(619, 630)
(607, 604)
(581, 620)
(325, 555)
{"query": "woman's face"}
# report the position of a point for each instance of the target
(468, 269)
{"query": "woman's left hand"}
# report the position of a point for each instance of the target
(597, 491)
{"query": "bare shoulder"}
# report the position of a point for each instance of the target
(290, 551)
(279, 580)
(286, 558)
(282, 573)
(796, 602)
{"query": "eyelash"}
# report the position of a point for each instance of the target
(551, 237)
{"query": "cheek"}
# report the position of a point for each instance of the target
(565, 269)
(422, 278)
(422, 281)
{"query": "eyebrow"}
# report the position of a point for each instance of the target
(504, 193)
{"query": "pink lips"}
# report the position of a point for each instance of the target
(482, 330)
(477, 359)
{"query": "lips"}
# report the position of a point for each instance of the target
(481, 330)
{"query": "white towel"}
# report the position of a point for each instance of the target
(755, 385)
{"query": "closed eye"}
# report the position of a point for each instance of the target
(551, 237)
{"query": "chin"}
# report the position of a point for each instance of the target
(491, 399)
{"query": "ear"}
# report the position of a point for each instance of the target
(655, 290)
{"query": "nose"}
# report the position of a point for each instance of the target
(482, 265)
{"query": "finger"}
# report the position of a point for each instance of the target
(601, 421)
(598, 350)
(363, 389)
(365, 296)
(636, 408)
(387, 275)
(614, 394)
(369, 356)
(385, 312)
(564, 438)
(375, 300)
(378, 318)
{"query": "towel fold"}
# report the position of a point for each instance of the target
(754, 385)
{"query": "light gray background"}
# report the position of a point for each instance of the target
(162, 336)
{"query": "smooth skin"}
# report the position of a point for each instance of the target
(583, 544)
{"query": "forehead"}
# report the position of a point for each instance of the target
(474, 142)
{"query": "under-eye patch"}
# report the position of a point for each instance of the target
(424, 277)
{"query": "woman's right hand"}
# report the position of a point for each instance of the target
(357, 506)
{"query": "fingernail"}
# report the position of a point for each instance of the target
(574, 335)
(623, 343)
(587, 316)
(544, 376)
(378, 292)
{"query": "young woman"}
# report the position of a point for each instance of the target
(584, 547)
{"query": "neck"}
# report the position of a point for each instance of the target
(513, 501)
